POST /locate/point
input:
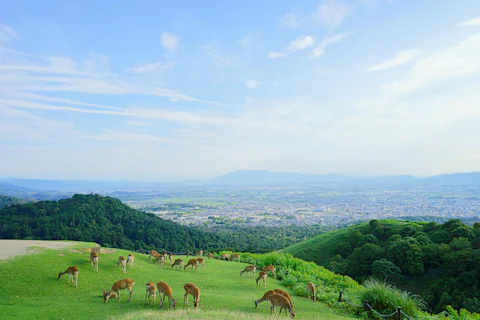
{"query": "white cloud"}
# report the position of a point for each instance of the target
(169, 41)
(470, 23)
(457, 61)
(400, 58)
(252, 84)
(320, 49)
(223, 59)
(331, 13)
(151, 67)
(7, 33)
(290, 20)
(299, 44)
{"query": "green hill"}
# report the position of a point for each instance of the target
(441, 262)
(7, 201)
(30, 289)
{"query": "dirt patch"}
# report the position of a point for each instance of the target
(11, 248)
(107, 250)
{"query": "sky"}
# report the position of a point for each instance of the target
(177, 90)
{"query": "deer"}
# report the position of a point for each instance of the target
(165, 290)
(200, 253)
(270, 268)
(192, 289)
(171, 257)
(249, 269)
(224, 256)
(122, 263)
(151, 290)
(266, 297)
(210, 255)
(94, 261)
(286, 295)
(72, 275)
(154, 254)
(283, 303)
(131, 260)
(262, 275)
(117, 286)
(192, 263)
(311, 291)
(177, 262)
(200, 261)
(235, 256)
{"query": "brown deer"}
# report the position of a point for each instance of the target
(283, 303)
(192, 263)
(235, 256)
(200, 261)
(266, 297)
(249, 269)
(165, 290)
(94, 261)
(311, 291)
(151, 290)
(154, 254)
(192, 289)
(131, 260)
(210, 255)
(171, 257)
(177, 262)
(72, 275)
(200, 253)
(263, 276)
(224, 256)
(117, 286)
(286, 295)
(122, 264)
(270, 268)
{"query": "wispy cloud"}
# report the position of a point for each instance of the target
(299, 44)
(331, 13)
(470, 23)
(145, 67)
(169, 41)
(400, 58)
(290, 20)
(320, 49)
(252, 84)
(222, 59)
(7, 33)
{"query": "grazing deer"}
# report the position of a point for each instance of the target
(94, 261)
(224, 256)
(286, 295)
(165, 290)
(311, 291)
(266, 297)
(117, 286)
(249, 269)
(131, 260)
(72, 275)
(235, 256)
(200, 261)
(200, 253)
(270, 268)
(192, 263)
(282, 302)
(122, 264)
(262, 275)
(210, 255)
(154, 254)
(151, 290)
(177, 262)
(192, 289)
(171, 257)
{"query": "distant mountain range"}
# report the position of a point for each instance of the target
(240, 178)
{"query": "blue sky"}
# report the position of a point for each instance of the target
(165, 91)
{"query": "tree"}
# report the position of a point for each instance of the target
(360, 261)
(383, 269)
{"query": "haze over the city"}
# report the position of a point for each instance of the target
(160, 91)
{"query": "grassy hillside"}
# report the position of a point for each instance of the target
(30, 289)
(320, 249)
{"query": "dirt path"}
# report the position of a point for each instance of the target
(10, 248)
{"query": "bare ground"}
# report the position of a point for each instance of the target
(10, 248)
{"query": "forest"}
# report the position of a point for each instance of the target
(111, 223)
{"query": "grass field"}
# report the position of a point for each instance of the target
(29, 289)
